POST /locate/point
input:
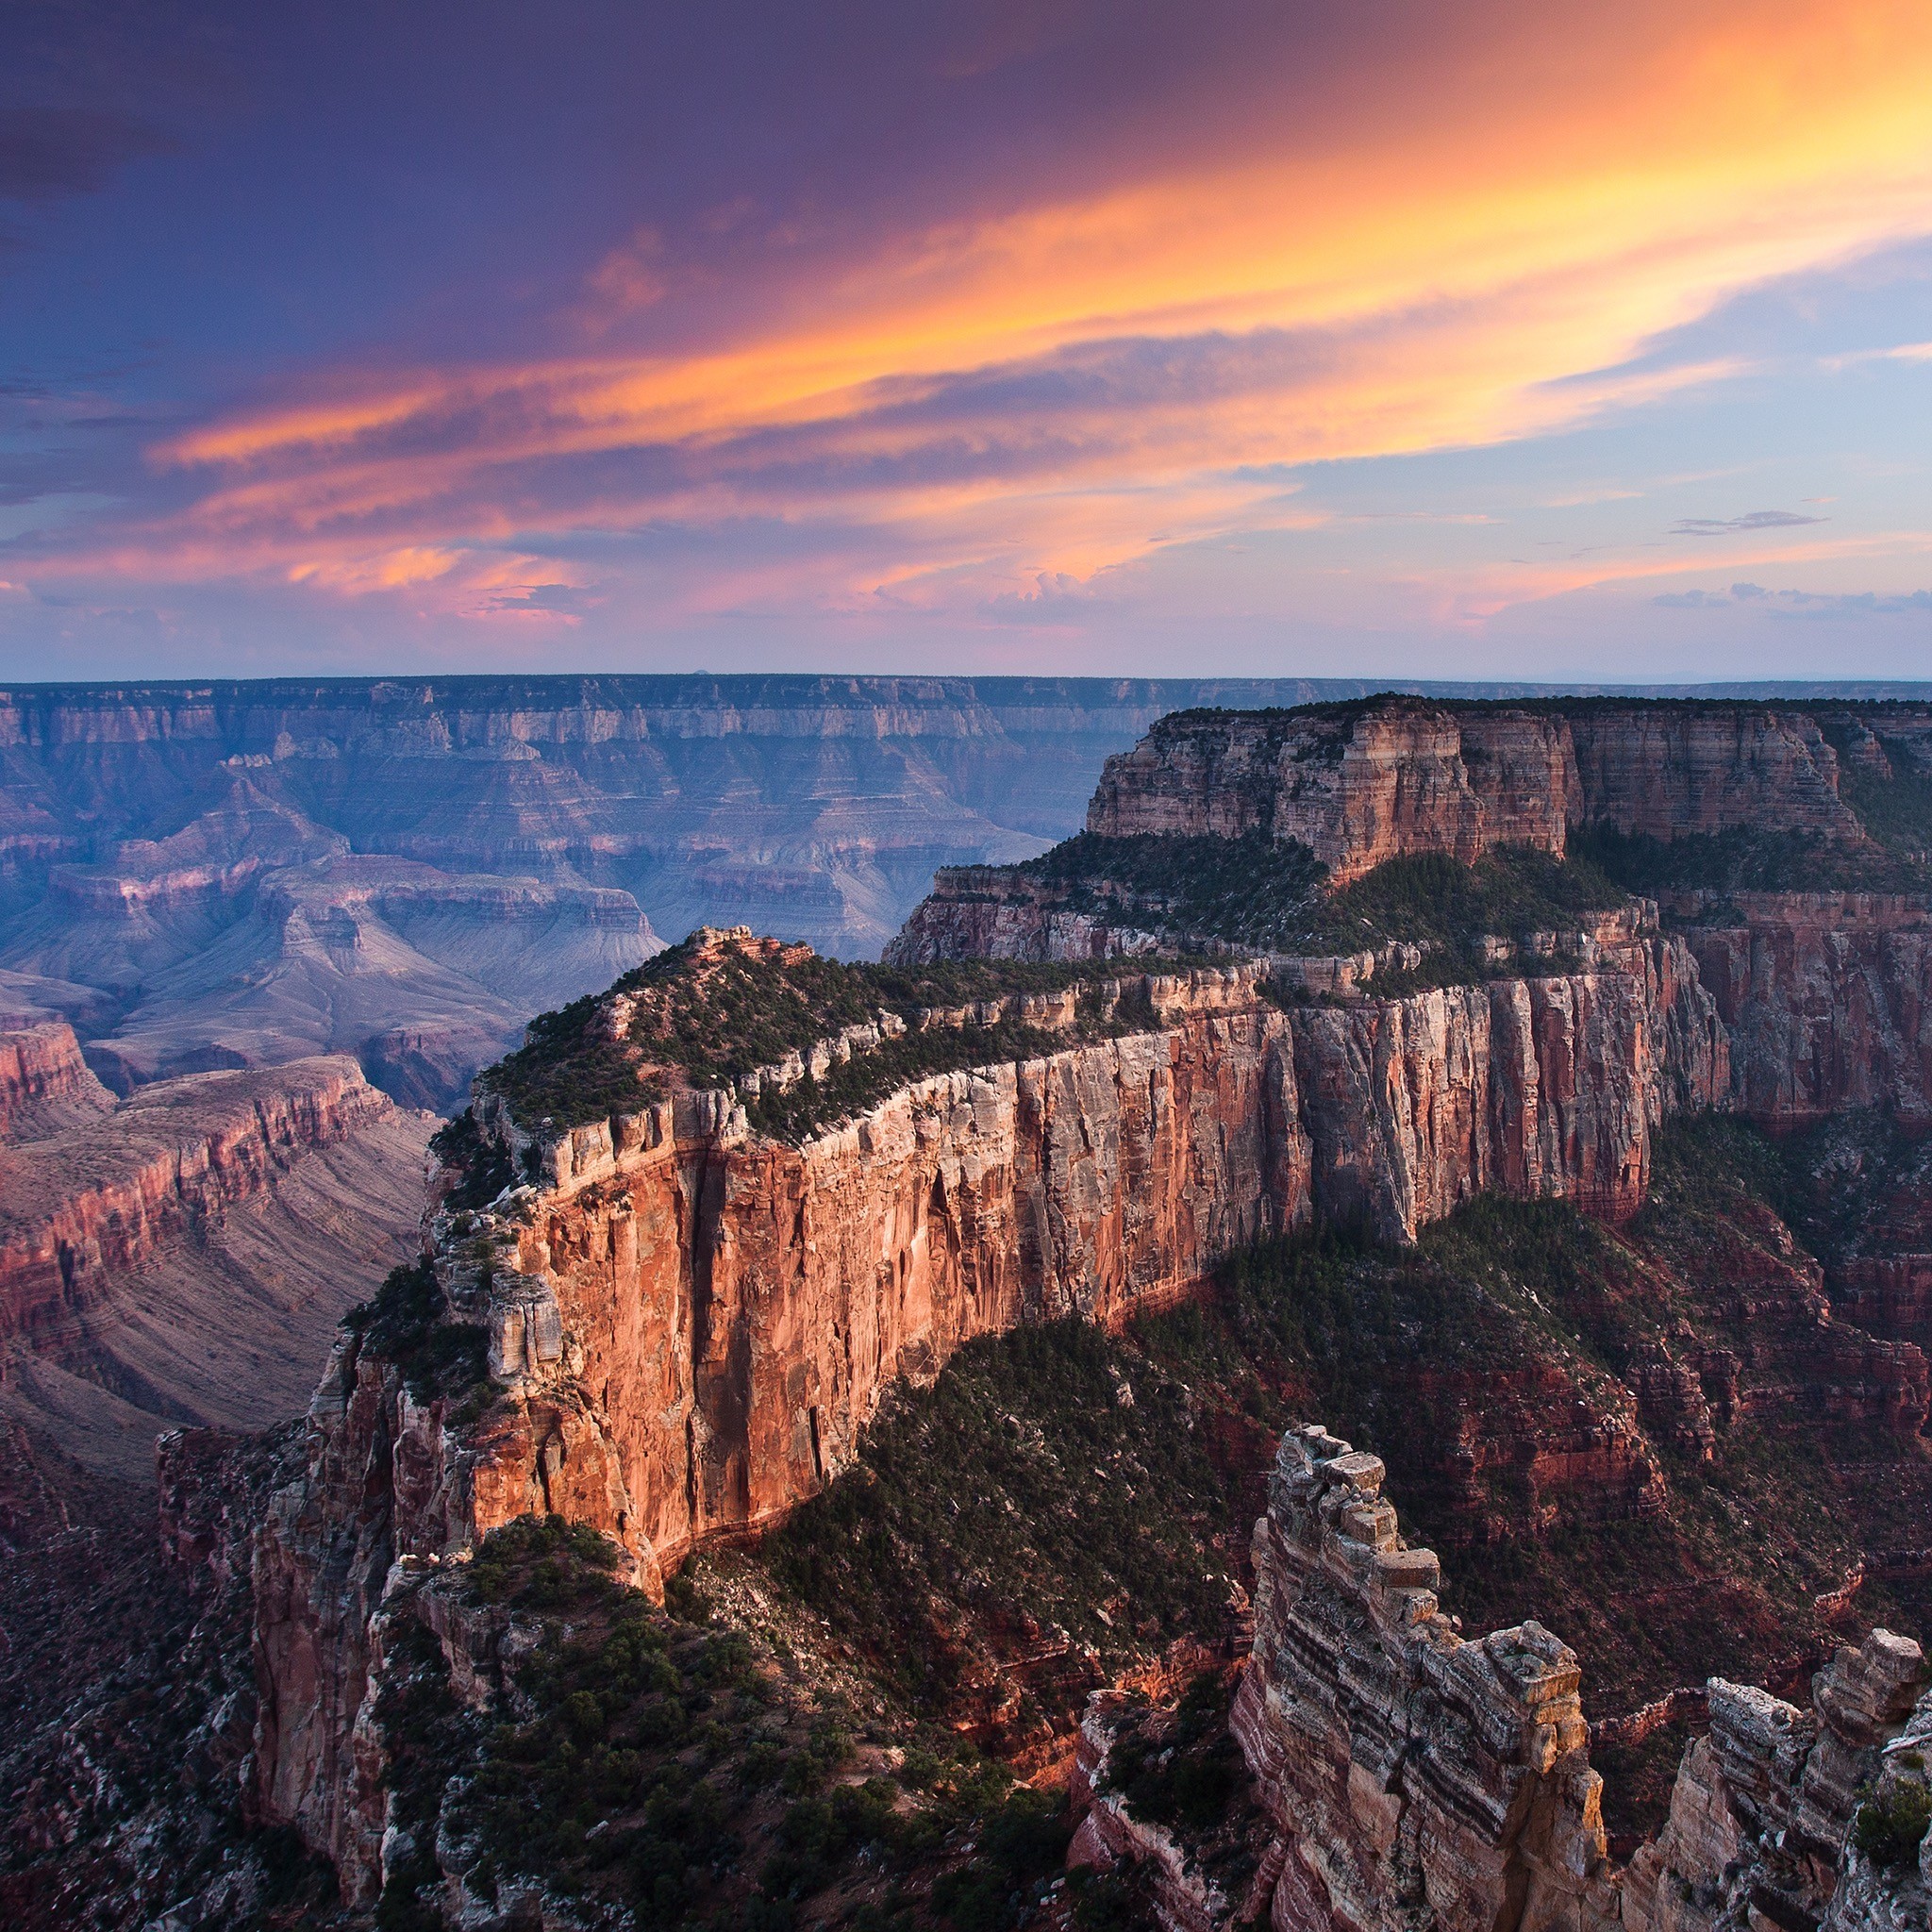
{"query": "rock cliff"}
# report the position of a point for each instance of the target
(1415, 1776)
(44, 1083)
(1359, 784)
(184, 1255)
(690, 1326)
(1827, 997)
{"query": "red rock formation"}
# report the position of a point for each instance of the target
(1827, 997)
(79, 1205)
(44, 1084)
(1407, 1772)
(989, 912)
(184, 1257)
(691, 1327)
(1401, 774)
(1413, 1776)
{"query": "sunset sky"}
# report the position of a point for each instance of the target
(1372, 338)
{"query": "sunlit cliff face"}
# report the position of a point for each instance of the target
(1029, 304)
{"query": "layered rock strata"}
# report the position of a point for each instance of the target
(1417, 1777)
(80, 1204)
(1826, 998)
(690, 1326)
(1414, 1777)
(44, 1083)
(1362, 784)
(184, 1255)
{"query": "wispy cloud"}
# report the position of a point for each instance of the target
(1753, 520)
(1803, 602)
(1021, 380)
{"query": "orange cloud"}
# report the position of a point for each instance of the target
(1075, 381)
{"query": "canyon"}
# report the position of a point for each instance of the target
(184, 1255)
(661, 1320)
(231, 875)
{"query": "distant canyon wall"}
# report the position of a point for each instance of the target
(1365, 784)
(185, 1255)
(240, 873)
(816, 806)
(1828, 999)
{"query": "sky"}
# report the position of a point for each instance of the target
(1372, 338)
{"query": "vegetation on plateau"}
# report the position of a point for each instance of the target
(706, 1019)
(1271, 895)
(402, 1322)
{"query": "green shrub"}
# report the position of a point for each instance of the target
(404, 1324)
(1891, 1825)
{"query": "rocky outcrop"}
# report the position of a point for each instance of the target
(1361, 784)
(184, 1256)
(690, 1326)
(44, 1083)
(1761, 1816)
(79, 1205)
(1397, 775)
(988, 912)
(1414, 1776)
(1417, 1777)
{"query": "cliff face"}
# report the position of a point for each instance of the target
(44, 1083)
(690, 1326)
(1409, 1770)
(1406, 1768)
(1826, 998)
(1403, 775)
(1400, 776)
(81, 1204)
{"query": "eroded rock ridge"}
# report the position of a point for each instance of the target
(1417, 1777)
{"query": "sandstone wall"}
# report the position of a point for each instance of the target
(91, 1199)
(44, 1084)
(690, 1326)
(1413, 1777)
(1827, 997)
(1403, 775)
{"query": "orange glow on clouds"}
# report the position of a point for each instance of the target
(1077, 382)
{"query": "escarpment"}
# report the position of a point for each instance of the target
(85, 1199)
(1361, 784)
(44, 1083)
(1825, 996)
(1418, 1776)
(688, 1324)
(184, 1255)
(694, 1232)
